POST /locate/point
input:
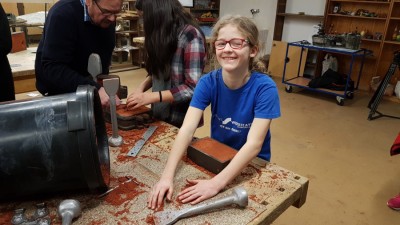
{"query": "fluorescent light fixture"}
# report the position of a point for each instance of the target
(186, 3)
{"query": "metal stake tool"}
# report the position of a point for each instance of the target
(239, 197)
(68, 210)
(111, 86)
(139, 144)
(94, 65)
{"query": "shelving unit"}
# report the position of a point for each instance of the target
(377, 19)
(209, 7)
(127, 28)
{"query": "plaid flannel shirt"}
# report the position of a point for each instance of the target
(186, 69)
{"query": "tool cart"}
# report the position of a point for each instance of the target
(293, 80)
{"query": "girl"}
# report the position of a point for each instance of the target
(243, 103)
(176, 50)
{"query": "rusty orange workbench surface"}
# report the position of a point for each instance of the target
(271, 188)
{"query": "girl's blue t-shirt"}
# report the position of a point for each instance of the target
(233, 111)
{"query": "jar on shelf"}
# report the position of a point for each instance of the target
(353, 41)
(395, 33)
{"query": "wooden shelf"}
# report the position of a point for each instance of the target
(199, 8)
(392, 42)
(301, 15)
(388, 17)
(363, 2)
(371, 40)
(129, 22)
(357, 17)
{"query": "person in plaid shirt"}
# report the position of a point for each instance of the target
(176, 56)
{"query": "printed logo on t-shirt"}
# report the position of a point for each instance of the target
(234, 126)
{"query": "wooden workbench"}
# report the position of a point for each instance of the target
(23, 69)
(271, 188)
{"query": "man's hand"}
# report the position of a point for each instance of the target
(105, 99)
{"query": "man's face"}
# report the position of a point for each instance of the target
(104, 12)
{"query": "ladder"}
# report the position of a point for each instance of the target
(377, 97)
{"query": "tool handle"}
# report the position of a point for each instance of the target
(67, 218)
(113, 115)
(198, 209)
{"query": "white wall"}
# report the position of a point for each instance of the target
(265, 19)
(295, 29)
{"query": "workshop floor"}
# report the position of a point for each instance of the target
(344, 155)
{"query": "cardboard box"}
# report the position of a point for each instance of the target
(18, 42)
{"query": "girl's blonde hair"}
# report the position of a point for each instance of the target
(245, 26)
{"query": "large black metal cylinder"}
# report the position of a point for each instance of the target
(53, 144)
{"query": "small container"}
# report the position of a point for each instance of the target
(353, 41)
(340, 41)
(319, 40)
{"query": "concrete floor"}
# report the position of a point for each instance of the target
(344, 155)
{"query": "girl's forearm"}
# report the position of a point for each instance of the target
(146, 84)
(178, 149)
(236, 166)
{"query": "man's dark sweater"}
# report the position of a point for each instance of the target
(6, 78)
(63, 52)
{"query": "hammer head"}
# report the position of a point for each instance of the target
(94, 65)
(242, 197)
(111, 86)
(69, 206)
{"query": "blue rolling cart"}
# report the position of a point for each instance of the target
(302, 82)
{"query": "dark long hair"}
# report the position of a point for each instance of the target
(163, 20)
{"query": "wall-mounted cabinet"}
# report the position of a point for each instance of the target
(375, 20)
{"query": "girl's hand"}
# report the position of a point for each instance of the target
(200, 191)
(136, 100)
(158, 192)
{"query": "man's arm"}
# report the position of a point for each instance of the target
(5, 37)
(58, 54)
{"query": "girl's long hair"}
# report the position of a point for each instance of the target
(163, 20)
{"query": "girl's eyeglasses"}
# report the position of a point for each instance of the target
(235, 43)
